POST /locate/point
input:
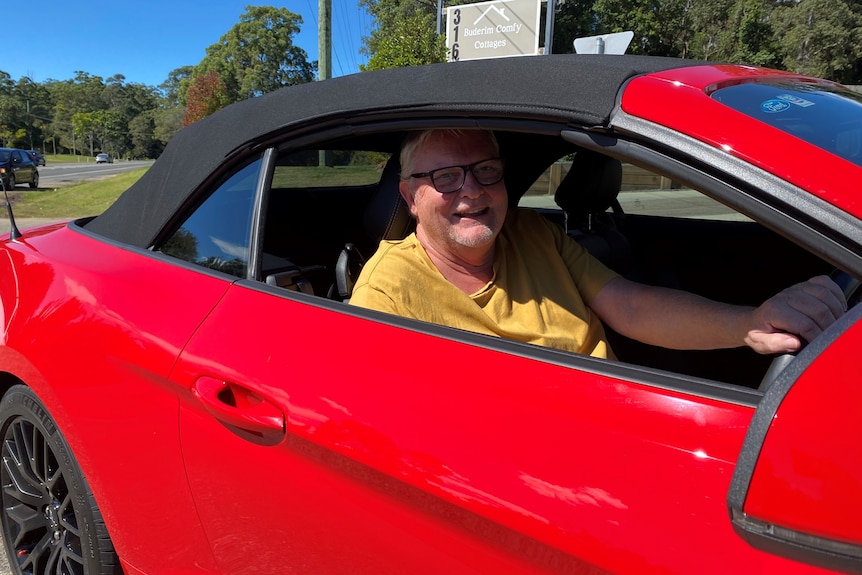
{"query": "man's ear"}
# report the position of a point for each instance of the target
(408, 195)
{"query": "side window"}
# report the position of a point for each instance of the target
(640, 192)
(315, 207)
(217, 234)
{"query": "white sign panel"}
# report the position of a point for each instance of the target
(616, 43)
(495, 29)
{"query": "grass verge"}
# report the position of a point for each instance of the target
(85, 199)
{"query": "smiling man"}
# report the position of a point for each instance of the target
(475, 265)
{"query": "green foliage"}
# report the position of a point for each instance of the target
(817, 37)
(655, 23)
(88, 114)
(257, 55)
(174, 88)
(405, 35)
(412, 42)
(822, 38)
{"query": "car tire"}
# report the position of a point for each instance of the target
(50, 520)
(35, 183)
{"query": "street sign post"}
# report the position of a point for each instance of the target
(496, 29)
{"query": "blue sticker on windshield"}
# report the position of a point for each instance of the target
(774, 106)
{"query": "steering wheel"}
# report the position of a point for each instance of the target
(852, 294)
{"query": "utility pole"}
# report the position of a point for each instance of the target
(324, 61)
(550, 13)
(439, 16)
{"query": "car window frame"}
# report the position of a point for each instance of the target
(698, 175)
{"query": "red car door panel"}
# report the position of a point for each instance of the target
(409, 452)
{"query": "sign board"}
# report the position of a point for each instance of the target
(495, 29)
(616, 43)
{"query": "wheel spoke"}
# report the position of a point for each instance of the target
(35, 557)
(40, 503)
(18, 464)
(30, 524)
(72, 562)
(41, 519)
(68, 519)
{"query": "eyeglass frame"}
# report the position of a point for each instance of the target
(464, 169)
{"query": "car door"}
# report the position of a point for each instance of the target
(321, 440)
(319, 437)
(22, 166)
(327, 441)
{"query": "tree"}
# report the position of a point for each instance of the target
(822, 38)
(750, 38)
(658, 25)
(144, 143)
(174, 88)
(206, 94)
(257, 55)
(575, 19)
(405, 33)
(166, 123)
(412, 42)
(81, 95)
(706, 21)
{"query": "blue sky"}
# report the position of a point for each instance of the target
(145, 40)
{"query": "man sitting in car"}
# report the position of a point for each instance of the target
(475, 265)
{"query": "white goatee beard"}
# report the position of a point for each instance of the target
(472, 240)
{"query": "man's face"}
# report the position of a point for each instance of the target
(458, 224)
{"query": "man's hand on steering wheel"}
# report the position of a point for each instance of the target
(796, 315)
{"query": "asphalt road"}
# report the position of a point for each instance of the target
(54, 175)
(58, 175)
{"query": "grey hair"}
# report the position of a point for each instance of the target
(415, 140)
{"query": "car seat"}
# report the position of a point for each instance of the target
(386, 217)
(585, 194)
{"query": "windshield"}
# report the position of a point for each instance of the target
(828, 117)
(4, 155)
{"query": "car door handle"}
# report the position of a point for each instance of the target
(239, 406)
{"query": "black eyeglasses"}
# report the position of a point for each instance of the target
(451, 178)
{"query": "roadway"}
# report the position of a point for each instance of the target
(55, 175)
(58, 175)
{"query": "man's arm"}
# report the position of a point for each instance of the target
(680, 320)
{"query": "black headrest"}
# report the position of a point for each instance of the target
(592, 184)
(387, 216)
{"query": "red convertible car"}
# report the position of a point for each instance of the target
(186, 388)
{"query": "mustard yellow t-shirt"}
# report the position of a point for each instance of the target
(542, 285)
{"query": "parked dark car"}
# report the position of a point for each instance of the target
(16, 166)
(37, 156)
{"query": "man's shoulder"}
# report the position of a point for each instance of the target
(526, 221)
(392, 256)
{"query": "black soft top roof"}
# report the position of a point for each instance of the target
(576, 89)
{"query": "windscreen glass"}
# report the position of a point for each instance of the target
(828, 117)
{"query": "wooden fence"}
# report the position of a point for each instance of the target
(634, 178)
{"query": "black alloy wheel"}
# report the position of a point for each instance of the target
(51, 524)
